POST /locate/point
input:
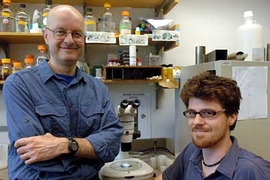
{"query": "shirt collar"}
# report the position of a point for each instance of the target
(46, 73)
(227, 165)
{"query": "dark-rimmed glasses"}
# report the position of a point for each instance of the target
(60, 34)
(206, 113)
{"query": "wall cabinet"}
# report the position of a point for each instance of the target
(159, 6)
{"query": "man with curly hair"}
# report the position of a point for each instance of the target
(212, 104)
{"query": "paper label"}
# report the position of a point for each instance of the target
(132, 39)
(100, 37)
(165, 35)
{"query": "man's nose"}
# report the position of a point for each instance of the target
(69, 36)
(198, 119)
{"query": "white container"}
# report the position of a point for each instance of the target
(132, 55)
(249, 35)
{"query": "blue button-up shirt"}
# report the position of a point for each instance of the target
(238, 164)
(38, 101)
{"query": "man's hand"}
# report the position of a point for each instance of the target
(41, 148)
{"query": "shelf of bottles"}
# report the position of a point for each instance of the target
(159, 5)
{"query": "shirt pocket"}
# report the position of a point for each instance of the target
(90, 119)
(53, 119)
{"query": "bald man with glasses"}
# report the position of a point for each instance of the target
(61, 121)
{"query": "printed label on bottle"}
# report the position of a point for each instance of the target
(45, 14)
(5, 71)
(125, 31)
(22, 22)
(89, 22)
(123, 26)
(45, 21)
(5, 14)
(5, 21)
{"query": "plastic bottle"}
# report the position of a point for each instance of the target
(6, 68)
(45, 12)
(36, 22)
(90, 22)
(132, 55)
(41, 55)
(107, 24)
(137, 31)
(16, 66)
(29, 61)
(7, 17)
(22, 19)
(249, 35)
(125, 24)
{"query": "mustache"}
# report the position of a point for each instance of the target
(69, 47)
(199, 128)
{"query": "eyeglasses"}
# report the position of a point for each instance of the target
(206, 113)
(60, 34)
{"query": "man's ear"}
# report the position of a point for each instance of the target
(45, 35)
(232, 119)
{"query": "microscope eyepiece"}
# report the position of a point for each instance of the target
(124, 104)
(136, 103)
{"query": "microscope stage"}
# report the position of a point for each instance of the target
(122, 169)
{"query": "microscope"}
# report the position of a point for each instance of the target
(124, 167)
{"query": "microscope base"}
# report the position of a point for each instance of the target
(122, 169)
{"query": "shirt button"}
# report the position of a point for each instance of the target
(69, 104)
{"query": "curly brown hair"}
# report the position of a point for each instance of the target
(209, 87)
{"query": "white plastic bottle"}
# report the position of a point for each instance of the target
(107, 23)
(41, 55)
(22, 19)
(132, 55)
(45, 12)
(90, 23)
(125, 24)
(7, 21)
(249, 35)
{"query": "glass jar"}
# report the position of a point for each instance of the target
(29, 61)
(6, 68)
(16, 66)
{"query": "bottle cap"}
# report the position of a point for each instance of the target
(48, 2)
(5, 60)
(22, 5)
(17, 64)
(29, 60)
(107, 5)
(6, 1)
(248, 14)
(89, 9)
(42, 47)
(125, 13)
(29, 56)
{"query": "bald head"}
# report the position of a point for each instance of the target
(62, 12)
